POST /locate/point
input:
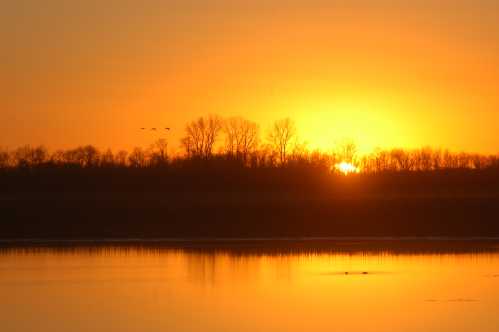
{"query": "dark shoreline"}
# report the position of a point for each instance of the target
(283, 246)
(157, 215)
(274, 203)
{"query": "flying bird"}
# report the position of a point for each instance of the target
(167, 128)
(153, 128)
(143, 128)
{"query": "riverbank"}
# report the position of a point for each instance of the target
(244, 215)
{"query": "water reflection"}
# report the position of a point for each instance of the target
(354, 286)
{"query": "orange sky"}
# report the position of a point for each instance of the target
(383, 73)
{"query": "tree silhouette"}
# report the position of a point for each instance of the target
(280, 136)
(90, 156)
(121, 158)
(241, 143)
(137, 158)
(347, 151)
(26, 156)
(159, 152)
(107, 159)
(4, 158)
(241, 137)
(201, 136)
(404, 161)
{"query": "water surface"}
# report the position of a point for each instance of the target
(132, 288)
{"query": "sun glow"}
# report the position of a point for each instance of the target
(346, 168)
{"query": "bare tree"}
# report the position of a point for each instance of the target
(463, 160)
(280, 136)
(437, 159)
(89, 156)
(120, 158)
(83, 156)
(241, 137)
(479, 162)
(72, 157)
(26, 156)
(188, 145)
(382, 161)
(107, 158)
(159, 152)
(299, 152)
(402, 159)
(137, 158)
(347, 151)
(449, 160)
(57, 157)
(4, 158)
(424, 159)
(201, 136)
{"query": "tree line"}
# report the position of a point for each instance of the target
(238, 141)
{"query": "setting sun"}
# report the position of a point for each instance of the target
(346, 168)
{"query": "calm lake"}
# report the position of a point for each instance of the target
(246, 288)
